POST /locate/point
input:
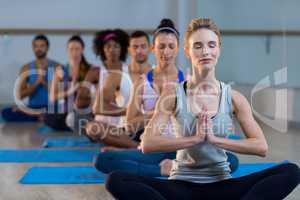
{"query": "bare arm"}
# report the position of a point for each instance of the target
(255, 142)
(152, 141)
(26, 89)
(135, 119)
(56, 91)
(104, 102)
(84, 95)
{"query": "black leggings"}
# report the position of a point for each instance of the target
(270, 184)
(56, 121)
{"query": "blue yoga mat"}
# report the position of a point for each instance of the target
(1, 119)
(250, 168)
(69, 141)
(235, 137)
(63, 175)
(46, 129)
(89, 175)
(47, 155)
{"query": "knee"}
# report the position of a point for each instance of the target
(70, 119)
(113, 182)
(102, 162)
(93, 129)
(6, 112)
(290, 172)
(293, 171)
(233, 161)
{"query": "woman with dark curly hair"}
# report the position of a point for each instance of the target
(113, 90)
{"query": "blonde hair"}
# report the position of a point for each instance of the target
(199, 23)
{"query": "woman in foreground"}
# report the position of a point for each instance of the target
(204, 107)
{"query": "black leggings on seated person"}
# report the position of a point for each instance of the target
(271, 184)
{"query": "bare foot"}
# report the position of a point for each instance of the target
(15, 108)
(165, 167)
(93, 131)
(112, 148)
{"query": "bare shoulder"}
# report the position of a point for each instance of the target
(24, 73)
(240, 102)
(25, 68)
(58, 67)
(93, 74)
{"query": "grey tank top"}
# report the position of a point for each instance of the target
(204, 162)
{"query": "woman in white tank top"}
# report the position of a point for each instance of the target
(121, 95)
(113, 91)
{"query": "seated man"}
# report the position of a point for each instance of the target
(33, 83)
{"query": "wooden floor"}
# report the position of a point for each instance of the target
(282, 146)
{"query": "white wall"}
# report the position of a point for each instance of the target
(94, 14)
(246, 60)
(15, 50)
(252, 14)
